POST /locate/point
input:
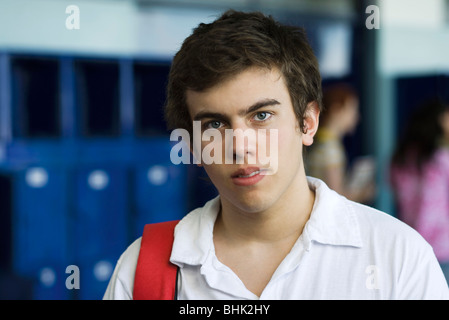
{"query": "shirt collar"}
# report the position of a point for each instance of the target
(332, 221)
(194, 235)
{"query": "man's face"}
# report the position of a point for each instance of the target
(255, 100)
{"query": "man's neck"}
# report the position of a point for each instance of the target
(254, 244)
(284, 220)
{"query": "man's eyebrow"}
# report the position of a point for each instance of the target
(219, 116)
(258, 105)
(206, 115)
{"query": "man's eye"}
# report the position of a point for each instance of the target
(262, 116)
(213, 125)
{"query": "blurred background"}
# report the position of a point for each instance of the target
(84, 152)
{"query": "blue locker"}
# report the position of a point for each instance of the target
(160, 194)
(100, 225)
(40, 219)
(50, 284)
(40, 229)
(95, 274)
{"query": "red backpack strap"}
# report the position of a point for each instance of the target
(155, 277)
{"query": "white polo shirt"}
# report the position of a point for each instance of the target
(346, 251)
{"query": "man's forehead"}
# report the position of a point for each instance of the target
(243, 90)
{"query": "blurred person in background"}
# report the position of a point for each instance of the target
(420, 177)
(326, 158)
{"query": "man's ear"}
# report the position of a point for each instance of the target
(311, 122)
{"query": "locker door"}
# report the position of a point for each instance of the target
(40, 229)
(160, 194)
(101, 228)
(35, 102)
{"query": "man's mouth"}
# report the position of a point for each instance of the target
(247, 176)
(246, 173)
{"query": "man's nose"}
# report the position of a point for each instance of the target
(243, 143)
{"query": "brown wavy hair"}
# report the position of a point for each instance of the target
(217, 51)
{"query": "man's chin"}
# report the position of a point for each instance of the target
(251, 202)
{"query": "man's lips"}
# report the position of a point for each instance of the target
(246, 172)
(246, 177)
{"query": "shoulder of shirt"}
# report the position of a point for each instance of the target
(407, 257)
(131, 253)
(124, 272)
(378, 227)
(126, 267)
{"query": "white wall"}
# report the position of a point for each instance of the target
(106, 27)
(414, 37)
(161, 31)
(40, 25)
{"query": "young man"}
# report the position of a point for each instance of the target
(273, 233)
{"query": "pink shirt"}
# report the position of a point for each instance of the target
(423, 200)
